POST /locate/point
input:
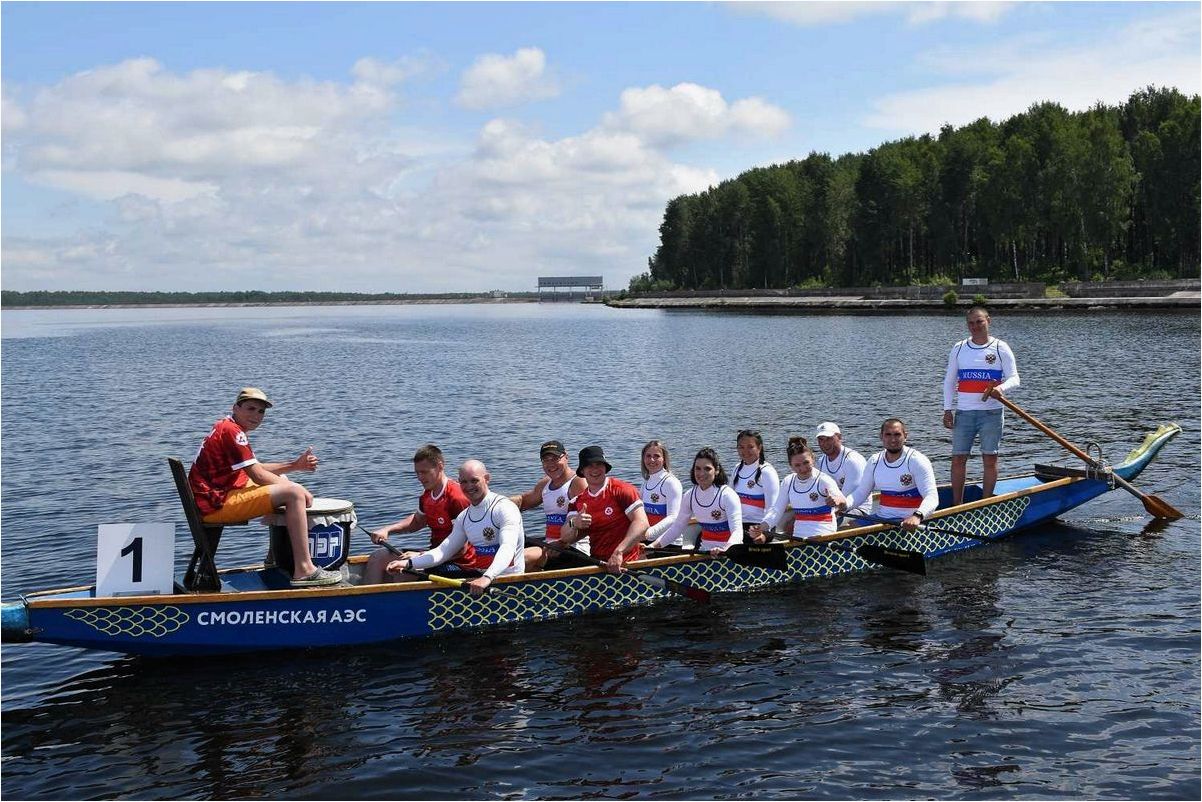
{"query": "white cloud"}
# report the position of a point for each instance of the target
(113, 184)
(380, 73)
(12, 117)
(814, 14)
(217, 179)
(135, 117)
(688, 111)
(1160, 51)
(496, 81)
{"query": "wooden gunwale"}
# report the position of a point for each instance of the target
(968, 507)
(34, 602)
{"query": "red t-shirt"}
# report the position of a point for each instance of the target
(610, 510)
(218, 467)
(440, 512)
(440, 515)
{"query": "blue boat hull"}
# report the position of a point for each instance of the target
(249, 615)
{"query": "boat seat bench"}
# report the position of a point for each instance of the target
(1049, 472)
(201, 575)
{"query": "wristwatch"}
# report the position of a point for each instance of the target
(919, 514)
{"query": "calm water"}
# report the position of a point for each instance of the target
(1064, 663)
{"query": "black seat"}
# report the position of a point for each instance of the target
(201, 575)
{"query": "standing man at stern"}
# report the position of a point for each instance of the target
(231, 485)
(609, 512)
(979, 370)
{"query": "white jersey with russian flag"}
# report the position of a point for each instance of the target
(810, 500)
(661, 493)
(718, 512)
(493, 527)
(846, 469)
(906, 484)
(555, 507)
(972, 368)
(757, 495)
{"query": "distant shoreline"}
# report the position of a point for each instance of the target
(232, 304)
(750, 303)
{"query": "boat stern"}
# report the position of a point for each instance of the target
(14, 623)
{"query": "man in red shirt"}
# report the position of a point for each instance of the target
(442, 499)
(609, 511)
(231, 485)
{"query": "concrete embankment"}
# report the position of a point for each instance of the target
(1188, 300)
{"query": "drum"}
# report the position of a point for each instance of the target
(330, 523)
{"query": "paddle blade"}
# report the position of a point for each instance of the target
(672, 586)
(1159, 508)
(908, 561)
(759, 555)
(696, 594)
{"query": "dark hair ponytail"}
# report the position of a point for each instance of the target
(798, 445)
(759, 440)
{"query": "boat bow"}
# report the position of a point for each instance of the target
(1143, 454)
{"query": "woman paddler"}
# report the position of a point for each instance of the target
(661, 490)
(713, 504)
(811, 494)
(755, 480)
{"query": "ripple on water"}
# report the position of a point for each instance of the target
(1061, 664)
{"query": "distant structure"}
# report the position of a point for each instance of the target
(570, 288)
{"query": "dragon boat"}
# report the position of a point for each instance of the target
(253, 608)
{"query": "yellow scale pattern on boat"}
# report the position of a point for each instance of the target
(537, 601)
(132, 621)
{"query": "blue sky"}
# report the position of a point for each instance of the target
(424, 147)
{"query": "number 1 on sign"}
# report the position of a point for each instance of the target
(134, 559)
(135, 548)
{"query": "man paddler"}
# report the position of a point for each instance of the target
(843, 464)
(440, 503)
(552, 492)
(903, 476)
(231, 485)
(609, 511)
(980, 369)
(491, 526)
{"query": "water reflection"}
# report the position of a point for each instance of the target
(881, 685)
(149, 726)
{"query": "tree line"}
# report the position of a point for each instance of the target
(1047, 195)
(12, 298)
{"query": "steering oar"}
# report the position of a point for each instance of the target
(1155, 506)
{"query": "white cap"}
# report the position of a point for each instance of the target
(828, 429)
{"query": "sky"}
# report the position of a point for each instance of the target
(465, 147)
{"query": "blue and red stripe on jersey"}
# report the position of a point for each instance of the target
(555, 522)
(901, 499)
(655, 512)
(977, 380)
(752, 501)
(823, 513)
(716, 532)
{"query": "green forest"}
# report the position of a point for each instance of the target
(1047, 195)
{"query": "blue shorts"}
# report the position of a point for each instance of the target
(970, 423)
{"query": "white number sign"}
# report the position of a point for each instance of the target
(135, 559)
